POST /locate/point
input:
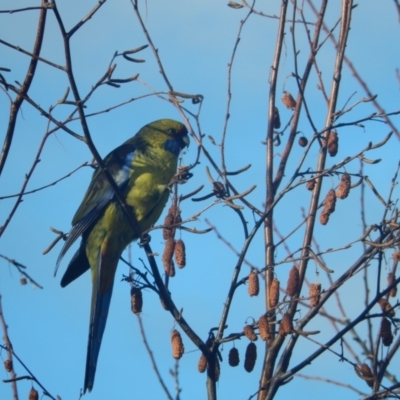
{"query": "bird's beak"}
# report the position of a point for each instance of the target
(186, 140)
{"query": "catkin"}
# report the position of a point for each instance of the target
(333, 143)
(254, 284)
(250, 357)
(344, 186)
(303, 141)
(168, 232)
(310, 185)
(365, 373)
(8, 365)
(202, 365)
(23, 281)
(249, 333)
(136, 300)
(315, 294)
(396, 256)
(386, 332)
(386, 307)
(329, 207)
(276, 118)
(390, 280)
(263, 328)
(288, 100)
(167, 257)
(33, 394)
(180, 253)
(293, 282)
(177, 345)
(286, 325)
(274, 293)
(233, 357)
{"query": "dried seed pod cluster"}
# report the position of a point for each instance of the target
(8, 365)
(386, 307)
(233, 357)
(293, 282)
(249, 333)
(390, 280)
(136, 300)
(173, 217)
(177, 345)
(315, 294)
(253, 284)
(180, 253)
(286, 325)
(310, 185)
(202, 365)
(263, 328)
(273, 295)
(277, 119)
(167, 257)
(365, 373)
(250, 357)
(386, 332)
(344, 186)
(329, 207)
(33, 394)
(303, 141)
(288, 100)
(333, 143)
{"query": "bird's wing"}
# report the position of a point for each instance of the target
(100, 193)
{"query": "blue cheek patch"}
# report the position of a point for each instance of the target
(174, 146)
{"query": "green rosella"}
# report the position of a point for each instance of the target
(142, 167)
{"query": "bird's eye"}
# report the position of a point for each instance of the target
(171, 131)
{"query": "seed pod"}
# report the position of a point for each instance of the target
(315, 294)
(180, 253)
(263, 328)
(233, 357)
(168, 232)
(310, 185)
(293, 282)
(286, 325)
(136, 300)
(254, 284)
(8, 365)
(202, 365)
(390, 280)
(396, 256)
(303, 141)
(386, 332)
(324, 218)
(333, 143)
(274, 293)
(288, 100)
(177, 345)
(33, 394)
(167, 257)
(277, 119)
(249, 333)
(386, 307)
(365, 373)
(217, 369)
(344, 186)
(250, 357)
(330, 201)
(23, 281)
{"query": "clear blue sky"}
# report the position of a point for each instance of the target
(48, 328)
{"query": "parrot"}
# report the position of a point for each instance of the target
(142, 167)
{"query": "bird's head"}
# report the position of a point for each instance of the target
(171, 135)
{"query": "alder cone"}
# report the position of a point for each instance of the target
(343, 189)
(315, 294)
(23, 281)
(249, 333)
(303, 141)
(136, 300)
(386, 332)
(293, 282)
(390, 280)
(177, 345)
(33, 394)
(333, 143)
(263, 328)
(254, 284)
(250, 357)
(233, 357)
(274, 293)
(286, 325)
(202, 365)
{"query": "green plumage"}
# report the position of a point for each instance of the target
(142, 167)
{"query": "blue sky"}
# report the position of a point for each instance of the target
(48, 328)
